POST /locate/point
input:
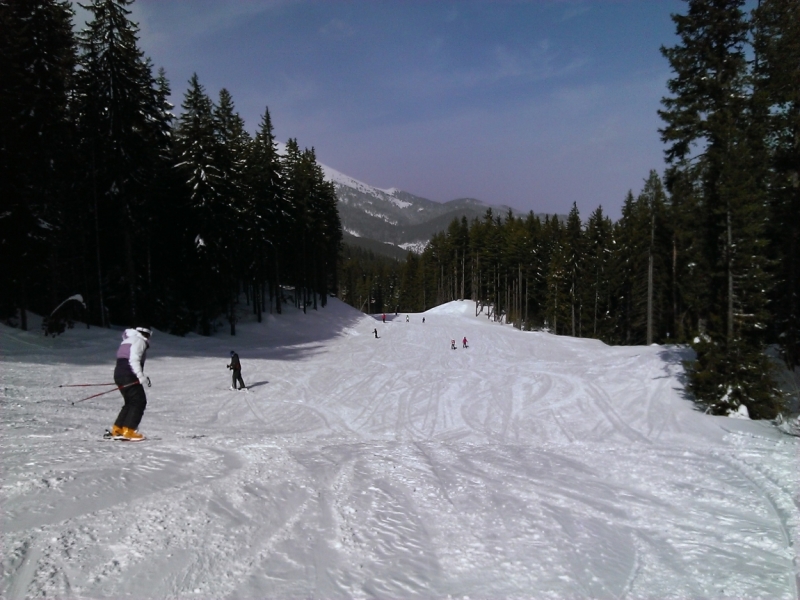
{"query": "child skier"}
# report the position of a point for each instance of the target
(236, 372)
(464, 343)
(130, 378)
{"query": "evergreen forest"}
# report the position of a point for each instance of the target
(149, 217)
(172, 220)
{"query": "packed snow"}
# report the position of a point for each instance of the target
(526, 465)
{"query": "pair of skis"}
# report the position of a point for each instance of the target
(107, 436)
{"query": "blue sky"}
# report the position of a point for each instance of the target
(533, 104)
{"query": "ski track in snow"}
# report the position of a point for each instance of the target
(526, 466)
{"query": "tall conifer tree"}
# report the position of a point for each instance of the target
(118, 118)
(776, 40)
(197, 149)
(37, 58)
(708, 132)
(269, 213)
(599, 244)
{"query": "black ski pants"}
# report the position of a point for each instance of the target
(135, 402)
(236, 375)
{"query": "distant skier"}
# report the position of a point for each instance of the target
(464, 343)
(452, 344)
(406, 318)
(384, 317)
(130, 378)
(375, 331)
(236, 372)
(423, 320)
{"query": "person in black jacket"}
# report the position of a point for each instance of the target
(236, 372)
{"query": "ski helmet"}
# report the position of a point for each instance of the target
(145, 331)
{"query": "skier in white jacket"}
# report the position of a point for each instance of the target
(130, 378)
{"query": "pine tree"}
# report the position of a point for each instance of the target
(325, 231)
(161, 239)
(710, 109)
(628, 285)
(269, 212)
(555, 255)
(653, 203)
(119, 125)
(197, 149)
(599, 245)
(574, 255)
(535, 289)
(37, 57)
(234, 218)
(295, 255)
(776, 33)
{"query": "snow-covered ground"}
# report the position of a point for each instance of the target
(526, 466)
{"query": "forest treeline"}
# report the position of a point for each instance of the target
(707, 255)
(151, 218)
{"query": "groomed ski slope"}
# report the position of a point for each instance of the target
(526, 466)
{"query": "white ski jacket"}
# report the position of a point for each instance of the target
(132, 353)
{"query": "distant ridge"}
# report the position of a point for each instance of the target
(399, 218)
(393, 222)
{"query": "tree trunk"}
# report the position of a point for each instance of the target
(650, 282)
(97, 246)
(729, 261)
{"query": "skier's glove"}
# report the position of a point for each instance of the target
(146, 381)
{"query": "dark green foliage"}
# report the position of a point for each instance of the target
(370, 282)
(742, 368)
(149, 219)
(776, 41)
(268, 212)
(718, 164)
(314, 225)
(119, 116)
(37, 60)
(598, 320)
(206, 214)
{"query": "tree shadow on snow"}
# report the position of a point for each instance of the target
(674, 358)
(289, 336)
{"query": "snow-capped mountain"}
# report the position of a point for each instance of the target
(396, 217)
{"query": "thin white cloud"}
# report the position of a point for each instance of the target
(162, 22)
(208, 17)
(575, 11)
(337, 29)
(499, 64)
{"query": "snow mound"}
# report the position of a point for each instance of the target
(456, 307)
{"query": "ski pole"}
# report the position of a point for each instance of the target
(106, 392)
(85, 384)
